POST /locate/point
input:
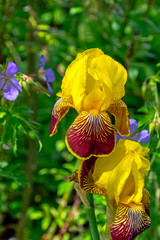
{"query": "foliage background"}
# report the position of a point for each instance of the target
(36, 199)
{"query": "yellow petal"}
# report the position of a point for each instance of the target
(93, 70)
(120, 112)
(75, 79)
(136, 148)
(132, 165)
(119, 176)
(93, 101)
(133, 188)
(100, 70)
(111, 74)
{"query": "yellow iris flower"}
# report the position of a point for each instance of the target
(93, 84)
(120, 177)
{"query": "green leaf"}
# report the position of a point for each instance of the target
(76, 10)
(14, 173)
(45, 223)
(62, 188)
(54, 212)
(2, 114)
(46, 208)
(36, 215)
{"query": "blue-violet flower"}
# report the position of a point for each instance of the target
(9, 83)
(48, 74)
(142, 137)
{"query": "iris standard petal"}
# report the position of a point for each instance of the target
(117, 178)
(142, 137)
(112, 76)
(10, 92)
(130, 221)
(119, 109)
(1, 82)
(91, 135)
(12, 69)
(133, 126)
(43, 61)
(74, 81)
(16, 84)
(60, 109)
(50, 77)
(100, 70)
(134, 184)
(1, 75)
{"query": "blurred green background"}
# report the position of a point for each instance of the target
(36, 199)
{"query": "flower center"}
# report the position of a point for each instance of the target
(93, 102)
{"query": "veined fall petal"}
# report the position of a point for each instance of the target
(93, 84)
(91, 135)
(130, 220)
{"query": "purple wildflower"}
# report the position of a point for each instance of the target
(48, 74)
(142, 137)
(9, 83)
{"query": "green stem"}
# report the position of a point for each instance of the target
(92, 218)
(156, 95)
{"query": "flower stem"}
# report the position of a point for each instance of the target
(92, 218)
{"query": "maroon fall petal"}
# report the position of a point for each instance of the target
(91, 136)
(129, 222)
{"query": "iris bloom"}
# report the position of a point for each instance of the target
(120, 177)
(9, 83)
(48, 74)
(93, 84)
(142, 137)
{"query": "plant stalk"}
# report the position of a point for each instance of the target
(92, 217)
